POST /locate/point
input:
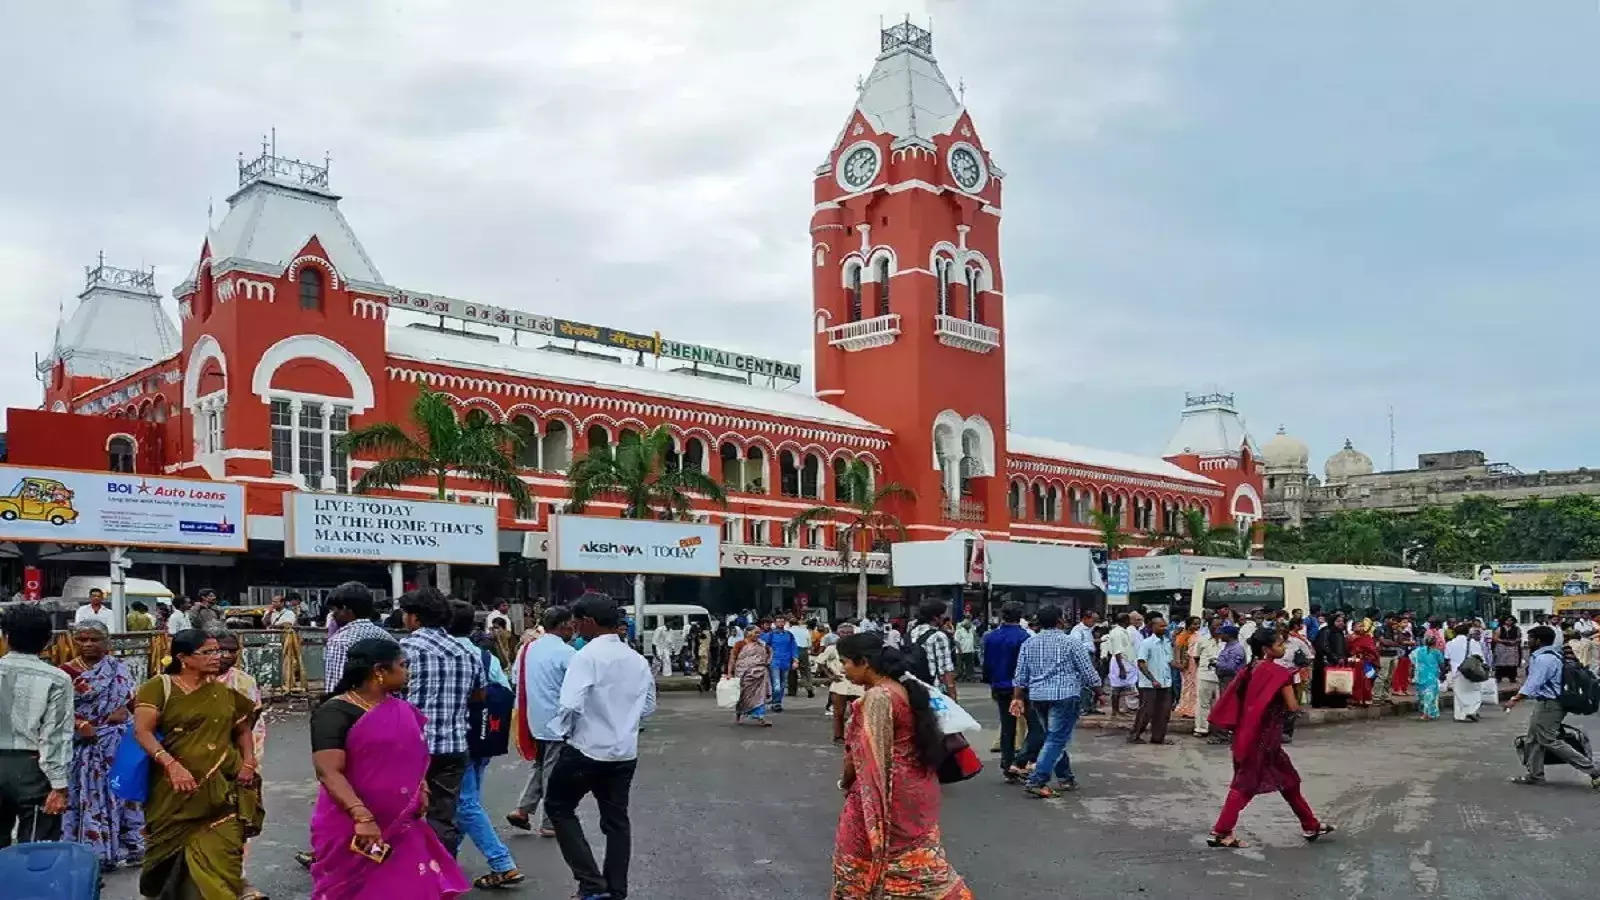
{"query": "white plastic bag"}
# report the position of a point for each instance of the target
(728, 692)
(952, 718)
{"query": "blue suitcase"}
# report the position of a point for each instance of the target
(49, 870)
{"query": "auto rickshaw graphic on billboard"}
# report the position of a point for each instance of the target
(38, 500)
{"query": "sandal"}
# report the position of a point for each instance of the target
(1041, 792)
(495, 880)
(520, 822)
(305, 858)
(1526, 780)
(1311, 836)
(252, 894)
(1225, 841)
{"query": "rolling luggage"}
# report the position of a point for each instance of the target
(1575, 738)
(49, 870)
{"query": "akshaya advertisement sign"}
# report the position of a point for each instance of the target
(116, 509)
(634, 546)
(384, 529)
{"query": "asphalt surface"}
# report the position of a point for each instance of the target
(1424, 810)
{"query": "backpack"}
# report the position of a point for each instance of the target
(489, 721)
(1580, 691)
(918, 661)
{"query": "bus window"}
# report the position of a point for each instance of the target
(1388, 596)
(1486, 599)
(1356, 595)
(1417, 600)
(1322, 592)
(1244, 592)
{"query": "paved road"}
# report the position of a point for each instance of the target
(1425, 810)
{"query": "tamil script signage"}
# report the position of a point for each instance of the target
(450, 307)
(114, 509)
(633, 546)
(790, 559)
(610, 337)
(383, 529)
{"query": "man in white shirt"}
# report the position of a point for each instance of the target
(1203, 649)
(1117, 651)
(502, 614)
(178, 619)
(539, 680)
(608, 688)
(1468, 695)
(661, 649)
(800, 675)
(95, 610)
(280, 616)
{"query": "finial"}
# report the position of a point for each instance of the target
(1281, 430)
(961, 89)
(861, 84)
(1348, 445)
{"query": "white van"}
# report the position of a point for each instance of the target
(678, 618)
(145, 590)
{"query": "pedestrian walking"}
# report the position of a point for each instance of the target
(1427, 661)
(1185, 668)
(178, 618)
(102, 691)
(1053, 668)
(543, 667)
(785, 655)
(1543, 686)
(1254, 707)
(800, 672)
(935, 647)
(245, 685)
(887, 842)
(445, 677)
(138, 618)
(607, 690)
(368, 830)
(1363, 650)
(750, 661)
(1001, 647)
(1204, 648)
(472, 820)
(1507, 650)
(661, 649)
(204, 615)
(1331, 650)
(1154, 658)
(206, 801)
(1121, 672)
(966, 649)
(841, 690)
(36, 730)
(1468, 697)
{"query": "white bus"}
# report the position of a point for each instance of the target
(1334, 587)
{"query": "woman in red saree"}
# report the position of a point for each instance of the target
(1254, 706)
(370, 757)
(1363, 650)
(888, 841)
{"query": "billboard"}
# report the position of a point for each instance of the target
(634, 546)
(384, 529)
(117, 509)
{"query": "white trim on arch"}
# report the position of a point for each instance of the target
(879, 252)
(1245, 490)
(205, 348)
(315, 346)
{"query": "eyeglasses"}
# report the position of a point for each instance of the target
(212, 652)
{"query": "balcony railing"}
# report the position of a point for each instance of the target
(966, 509)
(964, 335)
(865, 334)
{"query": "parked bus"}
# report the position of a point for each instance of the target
(1332, 587)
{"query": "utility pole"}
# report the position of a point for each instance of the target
(1391, 437)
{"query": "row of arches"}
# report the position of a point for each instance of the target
(961, 277)
(1074, 503)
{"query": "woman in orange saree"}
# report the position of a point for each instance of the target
(888, 842)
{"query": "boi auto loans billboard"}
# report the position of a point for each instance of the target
(117, 509)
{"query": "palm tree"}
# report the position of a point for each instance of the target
(1200, 537)
(435, 444)
(634, 470)
(866, 515)
(1112, 537)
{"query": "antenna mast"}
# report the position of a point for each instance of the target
(1391, 437)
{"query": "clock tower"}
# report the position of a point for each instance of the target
(908, 304)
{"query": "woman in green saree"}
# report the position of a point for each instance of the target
(204, 793)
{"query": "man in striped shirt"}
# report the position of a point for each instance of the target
(1053, 669)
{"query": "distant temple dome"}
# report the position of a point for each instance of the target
(1347, 463)
(1285, 452)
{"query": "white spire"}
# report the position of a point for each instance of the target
(906, 95)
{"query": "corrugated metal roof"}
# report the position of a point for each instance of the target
(269, 222)
(113, 332)
(906, 95)
(529, 362)
(1213, 430)
(1115, 460)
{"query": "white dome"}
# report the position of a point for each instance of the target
(1285, 452)
(1347, 463)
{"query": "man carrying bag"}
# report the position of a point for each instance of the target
(1544, 686)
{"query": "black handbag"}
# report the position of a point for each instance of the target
(1474, 670)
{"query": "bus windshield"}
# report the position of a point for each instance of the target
(1243, 591)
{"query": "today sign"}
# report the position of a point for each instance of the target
(634, 546)
(384, 529)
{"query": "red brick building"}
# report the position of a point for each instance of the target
(289, 336)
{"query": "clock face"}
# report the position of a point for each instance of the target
(966, 168)
(858, 167)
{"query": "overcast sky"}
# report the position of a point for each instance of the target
(1326, 208)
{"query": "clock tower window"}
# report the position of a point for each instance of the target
(853, 291)
(974, 297)
(883, 286)
(942, 276)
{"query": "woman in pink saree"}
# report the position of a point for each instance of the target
(370, 757)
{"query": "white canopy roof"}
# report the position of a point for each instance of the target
(115, 330)
(444, 349)
(1210, 426)
(1101, 459)
(906, 95)
(268, 222)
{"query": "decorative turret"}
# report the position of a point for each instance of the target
(117, 327)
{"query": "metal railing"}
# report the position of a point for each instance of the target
(864, 334)
(966, 509)
(966, 335)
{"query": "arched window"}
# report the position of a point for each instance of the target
(883, 286)
(1015, 500)
(941, 274)
(841, 491)
(528, 453)
(853, 289)
(310, 288)
(788, 474)
(732, 467)
(598, 436)
(974, 299)
(555, 448)
(694, 455)
(810, 474)
(120, 454)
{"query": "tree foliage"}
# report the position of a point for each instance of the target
(1447, 538)
(866, 514)
(435, 444)
(635, 471)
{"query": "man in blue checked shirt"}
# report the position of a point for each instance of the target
(1052, 671)
(444, 677)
